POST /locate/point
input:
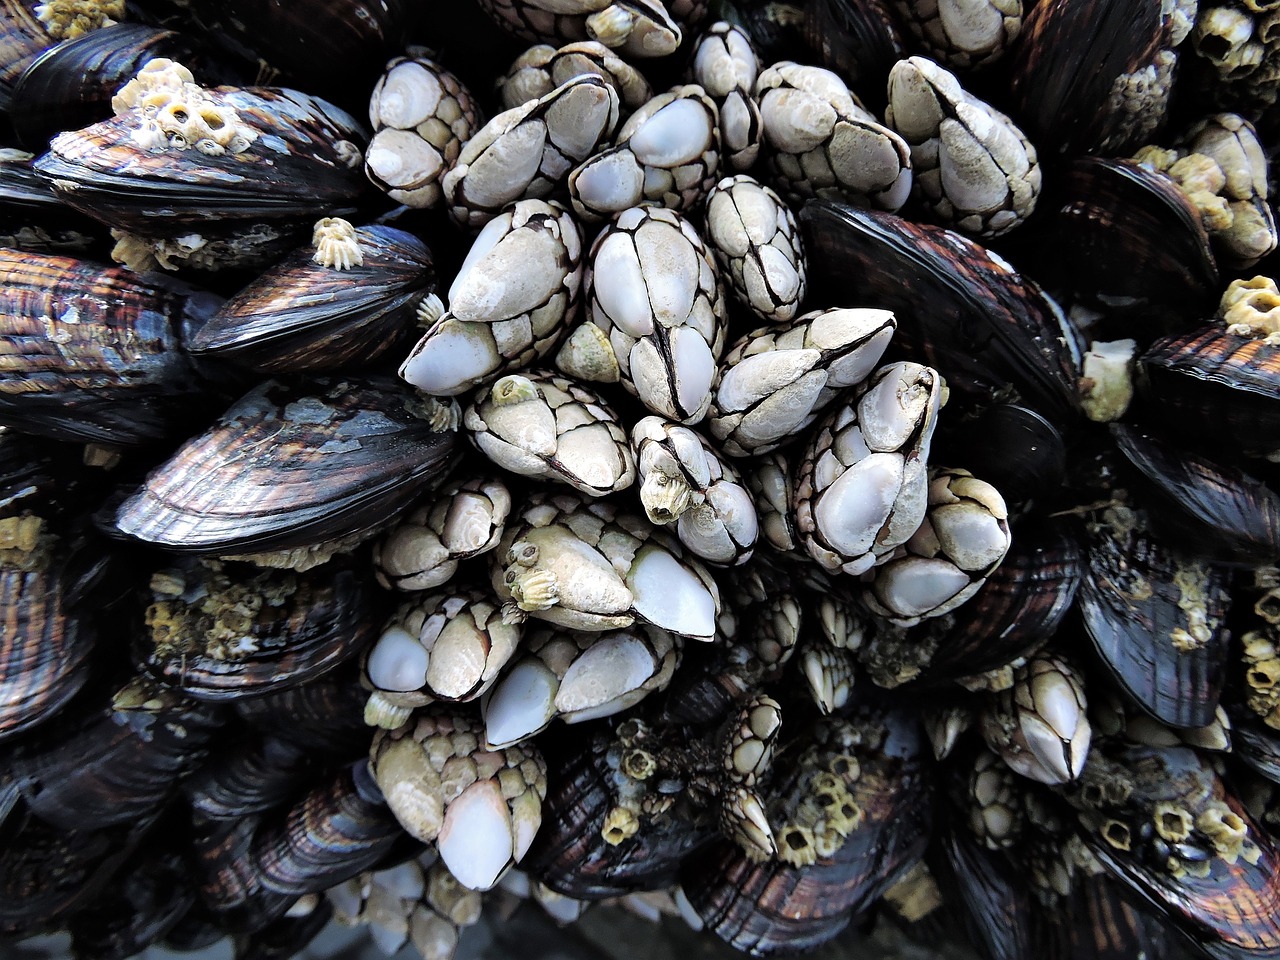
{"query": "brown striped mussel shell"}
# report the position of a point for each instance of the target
(93, 353)
(291, 467)
(300, 316)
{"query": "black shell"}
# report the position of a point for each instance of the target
(860, 40)
(290, 467)
(773, 907)
(93, 353)
(306, 624)
(960, 308)
(301, 316)
(335, 832)
(70, 86)
(250, 775)
(229, 881)
(116, 764)
(303, 165)
(1130, 605)
(1223, 386)
(1068, 60)
(1128, 241)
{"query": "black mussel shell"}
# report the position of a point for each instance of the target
(1156, 615)
(569, 853)
(1220, 385)
(1232, 910)
(250, 775)
(94, 354)
(300, 316)
(1255, 743)
(290, 467)
(997, 901)
(32, 218)
(114, 764)
(960, 307)
(304, 164)
(44, 647)
(302, 625)
(1097, 922)
(286, 937)
(1228, 505)
(1014, 449)
(228, 880)
(335, 832)
(1128, 241)
(153, 893)
(71, 85)
(22, 38)
(329, 708)
(1018, 609)
(775, 907)
(1067, 63)
(860, 40)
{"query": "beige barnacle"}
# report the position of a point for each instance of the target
(1251, 307)
(974, 169)
(68, 19)
(1172, 822)
(965, 34)
(337, 244)
(1117, 834)
(177, 113)
(726, 65)
(1225, 829)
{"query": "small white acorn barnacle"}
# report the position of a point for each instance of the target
(179, 114)
(337, 244)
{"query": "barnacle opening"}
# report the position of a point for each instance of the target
(620, 824)
(68, 19)
(1117, 834)
(1172, 822)
(639, 764)
(796, 845)
(337, 244)
(1225, 829)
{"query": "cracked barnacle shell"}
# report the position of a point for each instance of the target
(775, 381)
(580, 564)
(1038, 726)
(332, 459)
(542, 68)
(215, 176)
(636, 28)
(95, 354)
(963, 34)
(973, 168)
(667, 153)
(862, 486)
(421, 116)
(481, 807)
(578, 676)
(545, 426)
(320, 310)
(528, 151)
(222, 632)
(960, 307)
(511, 303)
(724, 62)
(653, 290)
(860, 40)
(1219, 885)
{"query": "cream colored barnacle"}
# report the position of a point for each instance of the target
(177, 113)
(536, 590)
(68, 19)
(513, 389)
(1251, 308)
(337, 244)
(665, 497)
(620, 824)
(1172, 822)
(1225, 830)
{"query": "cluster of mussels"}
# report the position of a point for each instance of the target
(728, 545)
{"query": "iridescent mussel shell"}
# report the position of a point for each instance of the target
(291, 467)
(302, 316)
(94, 354)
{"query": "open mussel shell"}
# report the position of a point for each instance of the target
(304, 625)
(1225, 504)
(1157, 618)
(1127, 240)
(1220, 385)
(304, 164)
(961, 308)
(302, 316)
(569, 853)
(92, 353)
(291, 466)
(70, 86)
(775, 907)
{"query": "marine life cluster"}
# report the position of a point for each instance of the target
(786, 465)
